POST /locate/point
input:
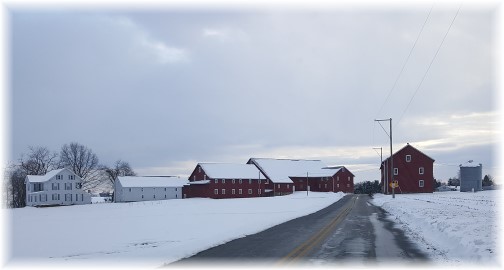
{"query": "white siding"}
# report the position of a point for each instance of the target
(49, 196)
(136, 194)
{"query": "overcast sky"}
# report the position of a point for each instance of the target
(166, 88)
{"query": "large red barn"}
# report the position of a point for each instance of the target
(225, 180)
(413, 171)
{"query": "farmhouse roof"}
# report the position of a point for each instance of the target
(149, 181)
(43, 178)
(231, 171)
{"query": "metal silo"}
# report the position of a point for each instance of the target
(471, 178)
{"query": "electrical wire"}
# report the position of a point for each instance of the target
(428, 68)
(406, 61)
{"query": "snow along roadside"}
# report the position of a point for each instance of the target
(454, 228)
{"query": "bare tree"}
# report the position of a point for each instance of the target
(38, 161)
(82, 161)
(120, 168)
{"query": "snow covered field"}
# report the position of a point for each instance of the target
(145, 234)
(453, 227)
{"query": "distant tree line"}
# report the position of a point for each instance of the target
(78, 158)
(368, 187)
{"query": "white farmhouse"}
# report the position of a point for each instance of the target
(148, 188)
(57, 187)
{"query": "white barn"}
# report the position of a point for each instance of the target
(57, 187)
(148, 188)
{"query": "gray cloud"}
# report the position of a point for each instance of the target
(163, 89)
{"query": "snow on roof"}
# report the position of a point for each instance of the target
(43, 178)
(231, 171)
(147, 181)
(199, 182)
(279, 170)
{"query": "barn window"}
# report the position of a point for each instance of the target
(240, 181)
(349, 178)
(216, 191)
(223, 192)
(216, 181)
(278, 185)
(420, 183)
(199, 169)
(337, 185)
(259, 191)
(347, 185)
(337, 178)
(233, 191)
(233, 181)
(223, 181)
(287, 186)
(250, 191)
(325, 186)
(396, 171)
(240, 191)
(175, 196)
(408, 158)
(421, 170)
(250, 181)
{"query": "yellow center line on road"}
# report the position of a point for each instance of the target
(322, 234)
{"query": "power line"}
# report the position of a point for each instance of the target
(405, 62)
(430, 64)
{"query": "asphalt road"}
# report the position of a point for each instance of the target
(349, 231)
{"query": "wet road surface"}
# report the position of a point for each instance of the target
(349, 231)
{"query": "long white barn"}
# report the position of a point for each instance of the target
(57, 187)
(148, 188)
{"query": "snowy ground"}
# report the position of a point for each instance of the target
(145, 234)
(454, 227)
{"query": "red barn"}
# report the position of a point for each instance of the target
(224, 180)
(288, 175)
(413, 171)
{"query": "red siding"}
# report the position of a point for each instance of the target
(343, 180)
(408, 175)
(223, 188)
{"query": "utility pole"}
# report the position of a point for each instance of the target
(391, 172)
(381, 161)
(307, 187)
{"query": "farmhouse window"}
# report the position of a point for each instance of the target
(420, 183)
(142, 197)
(154, 196)
(250, 191)
(59, 177)
(396, 171)
(421, 170)
(408, 158)
(129, 189)
(38, 187)
(216, 191)
(81, 197)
